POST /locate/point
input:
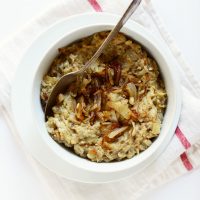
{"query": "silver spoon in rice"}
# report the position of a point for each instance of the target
(67, 79)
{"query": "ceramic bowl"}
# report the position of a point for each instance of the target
(59, 159)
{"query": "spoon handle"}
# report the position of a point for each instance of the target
(132, 7)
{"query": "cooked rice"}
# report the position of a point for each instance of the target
(116, 110)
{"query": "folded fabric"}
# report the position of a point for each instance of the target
(182, 154)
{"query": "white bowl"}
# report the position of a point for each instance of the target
(41, 145)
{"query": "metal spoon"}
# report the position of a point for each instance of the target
(71, 77)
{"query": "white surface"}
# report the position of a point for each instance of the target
(17, 180)
(181, 18)
(16, 176)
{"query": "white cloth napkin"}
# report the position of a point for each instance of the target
(182, 154)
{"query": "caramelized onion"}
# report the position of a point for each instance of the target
(79, 112)
(132, 90)
(98, 99)
(117, 72)
(117, 132)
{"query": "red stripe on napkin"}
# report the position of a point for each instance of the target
(186, 145)
(182, 138)
(186, 161)
(95, 5)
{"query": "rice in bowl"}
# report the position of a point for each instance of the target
(116, 110)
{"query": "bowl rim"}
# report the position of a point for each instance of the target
(115, 166)
(178, 100)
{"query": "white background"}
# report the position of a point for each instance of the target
(17, 180)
